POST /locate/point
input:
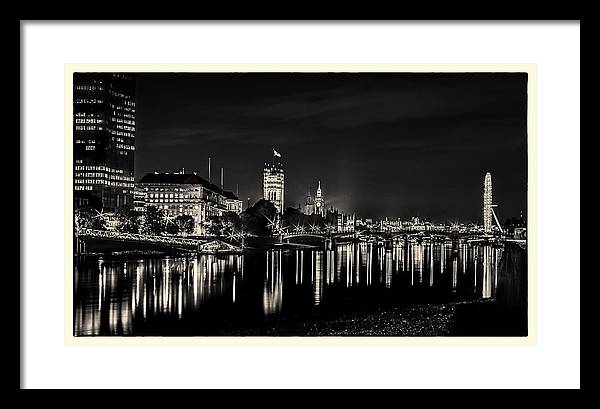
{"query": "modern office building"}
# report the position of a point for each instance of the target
(187, 194)
(103, 140)
(273, 182)
(487, 203)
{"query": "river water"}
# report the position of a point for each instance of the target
(225, 294)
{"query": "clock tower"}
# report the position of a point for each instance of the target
(319, 202)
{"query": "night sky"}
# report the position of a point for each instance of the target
(382, 144)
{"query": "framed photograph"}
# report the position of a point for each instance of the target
(300, 204)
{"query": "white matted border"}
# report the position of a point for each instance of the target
(530, 339)
(554, 362)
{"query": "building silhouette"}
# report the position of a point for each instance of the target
(103, 140)
(273, 182)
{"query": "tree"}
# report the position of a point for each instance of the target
(128, 220)
(185, 224)
(89, 218)
(292, 217)
(154, 222)
(255, 219)
(171, 227)
(224, 225)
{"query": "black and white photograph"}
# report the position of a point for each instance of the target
(300, 204)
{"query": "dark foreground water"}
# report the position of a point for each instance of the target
(231, 294)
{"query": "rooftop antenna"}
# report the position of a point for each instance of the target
(237, 190)
(221, 178)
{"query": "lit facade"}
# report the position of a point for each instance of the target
(103, 140)
(345, 223)
(186, 194)
(274, 184)
(309, 204)
(233, 203)
(487, 203)
(139, 199)
(315, 205)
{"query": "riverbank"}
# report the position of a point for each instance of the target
(464, 318)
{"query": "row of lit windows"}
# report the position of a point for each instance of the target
(103, 175)
(99, 167)
(123, 108)
(89, 175)
(120, 95)
(175, 189)
(121, 133)
(82, 141)
(83, 187)
(163, 200)
(88, 120)
(83, 114)
(89, 87)
(102, 182)
(179, 208)
(88, 101)
(124, 121)
(128, 147)
(167, 195)
(126, 127)
(88, 128)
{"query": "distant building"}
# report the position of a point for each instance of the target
(103, 140)
(345, 223)
(186, 194)
(309, 205)
(315, 205)
(273, 182)
(319, 202)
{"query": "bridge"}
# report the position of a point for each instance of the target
(205, 245)
(319, 235)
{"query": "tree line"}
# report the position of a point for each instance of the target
(256, 220)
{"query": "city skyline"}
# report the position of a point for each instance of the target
(382, 145)
(387, 184)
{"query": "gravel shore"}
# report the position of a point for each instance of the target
(418, 320)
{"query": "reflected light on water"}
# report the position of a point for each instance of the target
(318, 277)
(111, 301)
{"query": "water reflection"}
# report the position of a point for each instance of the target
(116, 297)
(273, 284)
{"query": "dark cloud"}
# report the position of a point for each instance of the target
(382, 144)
